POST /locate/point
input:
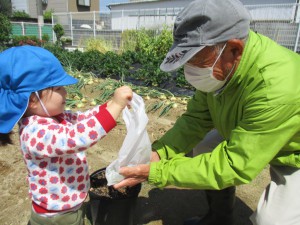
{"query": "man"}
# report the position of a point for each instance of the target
(248, 92)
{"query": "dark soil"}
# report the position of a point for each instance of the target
(99, 188)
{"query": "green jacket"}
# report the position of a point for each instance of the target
(257, 113)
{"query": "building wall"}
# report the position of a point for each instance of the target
(150, 5)
(73, 7)
(95, 5)
(182, 3)
(32, 8)
(58, 6)
(20, 5)
(151, 14)
(259, 2)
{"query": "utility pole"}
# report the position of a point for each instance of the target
(39, 8)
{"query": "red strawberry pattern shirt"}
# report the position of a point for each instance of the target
(54, 154)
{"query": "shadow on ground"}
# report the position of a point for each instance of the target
(172, 206)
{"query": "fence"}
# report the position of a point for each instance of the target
(280, 22)
(28, 29)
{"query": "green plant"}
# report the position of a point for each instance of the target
(5, 29)
(113, 65)
(48, 14)
(72, 59)
(136, 57)
(90, 61)
(2, 48)
(98, 44)
(137, 40)
(162, 43)
(27, 40)
(5, 7)
(59, 32)
(45, 37)
(145, 40)
(152, 75)
(148, 42)
(20, 14)
(66, 39)
(128, 40)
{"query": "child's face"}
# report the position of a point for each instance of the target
(54, 100)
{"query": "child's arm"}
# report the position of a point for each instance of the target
(120, 100)
(115, 106)
(43, 137)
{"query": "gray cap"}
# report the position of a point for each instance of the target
(205, 23)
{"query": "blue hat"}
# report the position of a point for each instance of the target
(24, 70)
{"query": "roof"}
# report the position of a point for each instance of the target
(135, 2)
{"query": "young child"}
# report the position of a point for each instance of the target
(52, 140)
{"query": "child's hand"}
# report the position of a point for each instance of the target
(122, 96)
(119, 101)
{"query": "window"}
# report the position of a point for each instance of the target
(84, 2)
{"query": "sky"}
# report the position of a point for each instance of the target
(104, 3)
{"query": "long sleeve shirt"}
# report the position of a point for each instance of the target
(54, 154)
(257, 113)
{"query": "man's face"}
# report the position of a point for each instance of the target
(228, 59)
(207, 57)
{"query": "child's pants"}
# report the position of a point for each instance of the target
(69, 218)
(280, 201)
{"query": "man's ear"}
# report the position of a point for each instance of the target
(236, 48)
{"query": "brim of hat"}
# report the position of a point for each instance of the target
(66, 80)
(178, 56)
(9, 118)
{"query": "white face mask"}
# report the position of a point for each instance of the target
(202, 78)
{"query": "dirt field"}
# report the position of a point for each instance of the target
(169, 206)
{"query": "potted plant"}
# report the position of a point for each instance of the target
(66, 41)
(110, 206)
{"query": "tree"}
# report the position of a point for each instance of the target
(5, 7)
(59, 32)
(5, 29)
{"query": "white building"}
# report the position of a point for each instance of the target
(277, 19)
(154, 13)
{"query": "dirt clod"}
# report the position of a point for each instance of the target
(100, 189)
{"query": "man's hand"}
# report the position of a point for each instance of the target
(137, 174)
(133, 175)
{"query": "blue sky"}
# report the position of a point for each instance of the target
(104, 3)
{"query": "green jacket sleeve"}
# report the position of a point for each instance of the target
(192, 125)
(250, 149)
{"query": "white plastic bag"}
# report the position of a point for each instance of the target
(136, 147)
